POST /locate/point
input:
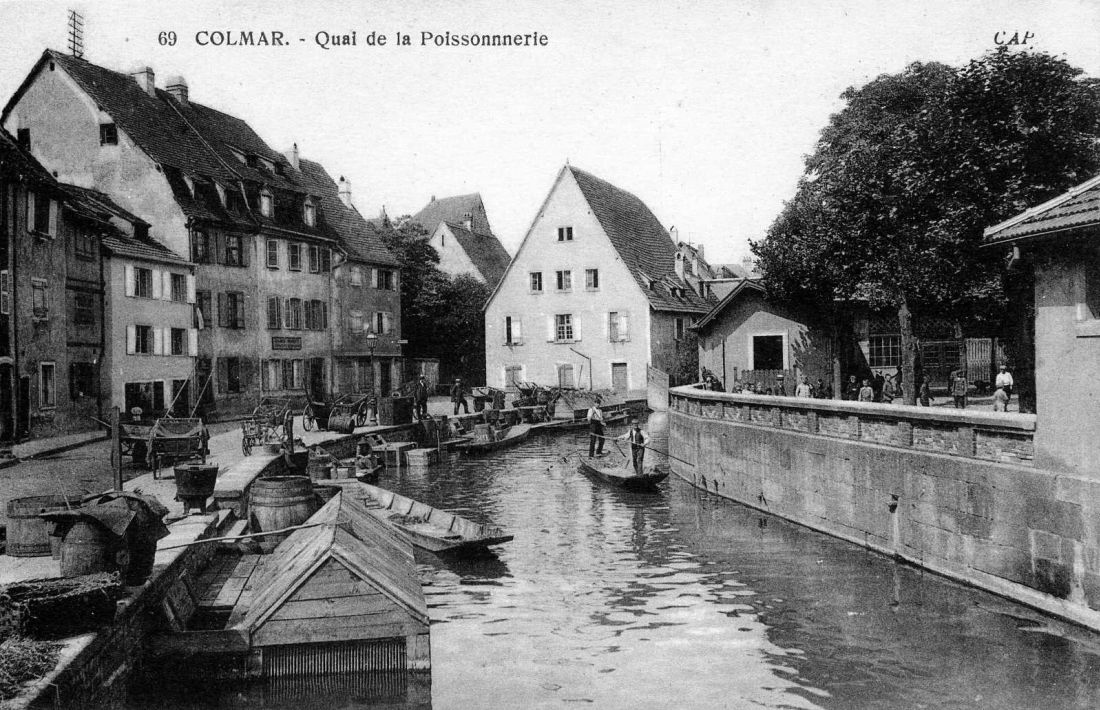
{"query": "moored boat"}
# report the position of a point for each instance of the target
(502, 439)
(430, 528)
(624, 477)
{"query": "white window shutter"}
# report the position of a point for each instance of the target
(387, 322)
(190, 288)
(31, 197)
(157, 283)
(192, 342)
(131, 338)
(607, 327)
(576, 327)
(550, 328)
(166, 289)
(158, 341)
(517, 329)
(131, 284)
(374, 278)
(52, 229)
(624, 327)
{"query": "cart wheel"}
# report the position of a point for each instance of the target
(246, 445)
(361, 419)
(308, 420)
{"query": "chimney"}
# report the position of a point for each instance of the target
(345, 191)
(748, 264)
(146, 79)
(433, 198)
(177, 87)
(292, 156)
(675, 234)
(468, 221)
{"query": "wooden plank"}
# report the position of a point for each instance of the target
(329, 590)
(179, 598)
(230, 592)
(346, 629)
(338, 607)
(197, 643)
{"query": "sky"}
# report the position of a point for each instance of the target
(705, 110)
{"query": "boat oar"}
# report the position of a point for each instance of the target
(648, 448)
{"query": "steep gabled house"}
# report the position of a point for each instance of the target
(458, 228)
(260, 228)
(592, 296)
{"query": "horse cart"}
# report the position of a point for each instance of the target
(343, 414)
(175, 440)
(271, 423)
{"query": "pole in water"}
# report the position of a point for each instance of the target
(116, 451)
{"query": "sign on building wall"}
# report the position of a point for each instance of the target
(283, 342)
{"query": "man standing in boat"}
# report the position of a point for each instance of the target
(458, 396)
(639, 440)
(595, 428)
(420, 397)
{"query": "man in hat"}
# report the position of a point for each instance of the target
(458, 396)
(638, 439)
(595, 428)
(420, 397)
(1004, 382)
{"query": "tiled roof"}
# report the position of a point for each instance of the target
(1076, 209)
(485, 251)
(745, 286)
(362, 239)
(135, 246)
(14, 159)
(641, 242)
(451, 210)
(198, 143)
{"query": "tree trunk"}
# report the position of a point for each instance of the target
(964, 356)
(908, 353)
(838, 376)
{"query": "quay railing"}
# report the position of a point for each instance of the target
(990, 436)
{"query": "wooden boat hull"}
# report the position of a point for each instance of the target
(624, 478)
(432, 529)
(516, 435)
(573, 424)
(368, 475)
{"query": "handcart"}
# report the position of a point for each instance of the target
(173, 440)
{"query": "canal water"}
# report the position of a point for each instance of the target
(681, 599)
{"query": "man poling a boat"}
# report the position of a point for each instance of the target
(638, 439)
(595, 428)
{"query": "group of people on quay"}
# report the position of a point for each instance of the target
(877, 387)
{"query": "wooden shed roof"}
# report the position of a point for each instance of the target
(344, 530)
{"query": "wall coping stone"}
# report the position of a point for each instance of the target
(1012, 421)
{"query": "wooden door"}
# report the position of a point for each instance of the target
(618, 377)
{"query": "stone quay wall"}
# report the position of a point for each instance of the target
(953, 491)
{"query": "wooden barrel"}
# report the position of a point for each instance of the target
(280, 502)
(318, 467)
(86, 549)
(28, 534)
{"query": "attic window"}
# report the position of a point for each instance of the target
(309, 213)
(108, 134)
(267, 203)
(23, 138)
(279, 169)
(239, 155)
(565, 234)
(252, 161)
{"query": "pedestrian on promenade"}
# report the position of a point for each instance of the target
(595, 428)
(638, 439)
(458, 396)
(867, 392)
(1004, 381)
(959, 388)
(924, 393)
(889, 390)
(780, 386)
(420, 397)
(851, 393)
(876, 384)
(803, 389)
(1000, 400)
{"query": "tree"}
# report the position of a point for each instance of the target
(904, 179)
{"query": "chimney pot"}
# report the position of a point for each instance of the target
(146, 79)
(292, 156)
(177, 87)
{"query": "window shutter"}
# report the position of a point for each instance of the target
(223, 375)
(373, 277)
(607, 325)
(219, 251)
(158, 283)
(550, 334)
(576, 327)
(223, 320)
(30, 211)
(52, 228)
(517, 329)
(387, 323)
(324, 316)
(246, 373)
(190, 288)
(192, 342)
(288, 374)
(239, 315)
(265, 376)
(131, 339)
(326, 260)
(246, 251)
(166, 289)
(131, 283)
(158, 341)
(624, 327)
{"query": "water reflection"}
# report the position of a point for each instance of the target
(618, 600)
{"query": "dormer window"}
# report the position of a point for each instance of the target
(309, 213)
(239, 155)
(267, 203)
(187, 180)
(251, 160)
